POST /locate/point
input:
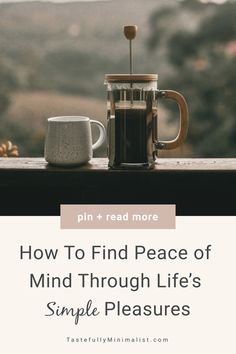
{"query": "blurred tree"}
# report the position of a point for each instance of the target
(8, 83)
(4, 101)
(203, 56)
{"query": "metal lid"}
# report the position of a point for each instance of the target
(131, 78)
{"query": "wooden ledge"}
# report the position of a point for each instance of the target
(196, 186)
(39, 164)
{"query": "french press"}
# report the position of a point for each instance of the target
(132, 128)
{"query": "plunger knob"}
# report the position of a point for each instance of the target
(130, 32)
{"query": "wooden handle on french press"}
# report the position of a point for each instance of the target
(183, 129)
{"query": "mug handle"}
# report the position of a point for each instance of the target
(183, 111)
(102, 134)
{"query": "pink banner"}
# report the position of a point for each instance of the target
(118, 216)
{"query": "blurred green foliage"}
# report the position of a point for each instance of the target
(203, 60)
(8, 82)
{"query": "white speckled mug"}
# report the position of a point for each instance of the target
(69, 140)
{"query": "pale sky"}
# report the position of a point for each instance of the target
(51, 0)
(204, 1)
(216, 1)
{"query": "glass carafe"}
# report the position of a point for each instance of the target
(132, 127)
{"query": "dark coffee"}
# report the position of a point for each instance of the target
(133, 135)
